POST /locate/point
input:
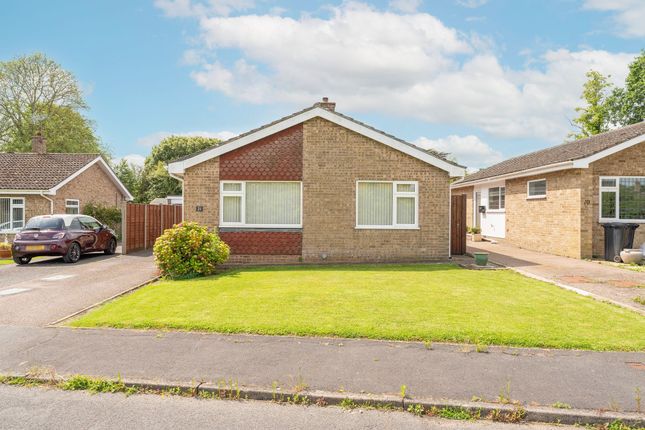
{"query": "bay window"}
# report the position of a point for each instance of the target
(622, 198)
(12, 213)
(387, 204)
(261, 204)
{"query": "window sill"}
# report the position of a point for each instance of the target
(496, 211)
(536, 197)
(260, 227)
(622, 221)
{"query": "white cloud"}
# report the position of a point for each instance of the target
(629, 18)
(134, 159)
(154, 138)
(191, 8)
(405, 6)
(471, 3)
(468, 150)
(370, 60)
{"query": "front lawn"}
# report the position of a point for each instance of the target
(4, 261)
(406, 302)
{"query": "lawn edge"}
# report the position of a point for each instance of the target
(318, 398)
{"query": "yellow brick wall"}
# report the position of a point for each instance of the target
(201, 188)
(334, 159)
(91, 186)
(552, 224)
(630, 162)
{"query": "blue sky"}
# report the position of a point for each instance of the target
(481, 79)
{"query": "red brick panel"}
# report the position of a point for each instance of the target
(275, 158)
(263, 242)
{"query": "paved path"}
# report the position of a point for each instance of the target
(44, 291)
(29, 408)
(586, 380)
(615, 284)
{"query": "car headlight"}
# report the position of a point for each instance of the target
(17, 236)
(58, 236)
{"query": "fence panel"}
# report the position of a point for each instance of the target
(143, 224)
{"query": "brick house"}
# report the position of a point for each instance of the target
(40, 183)
(319, 186)
(555, 200)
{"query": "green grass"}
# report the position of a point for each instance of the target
(406, 302)
(4, 261)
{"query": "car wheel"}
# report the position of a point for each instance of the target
(22, 260)
(73, 253)
(111, 248)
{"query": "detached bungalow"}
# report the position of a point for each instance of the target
(555, 200)
(41, 183)
(319, 186)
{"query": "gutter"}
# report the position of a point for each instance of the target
(51, 203)
(565, 165)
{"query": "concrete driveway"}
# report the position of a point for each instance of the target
(44, 291)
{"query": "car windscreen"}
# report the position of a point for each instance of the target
(45, 224)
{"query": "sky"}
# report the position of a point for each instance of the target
(481, 79)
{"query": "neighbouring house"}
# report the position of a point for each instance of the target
(555, 200)
(40, 183)
(319, 186)
(168, 200)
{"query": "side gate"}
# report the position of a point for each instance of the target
(142, 224)
(458, 224)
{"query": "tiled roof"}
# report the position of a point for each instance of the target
(29, 171)
(436, 154)
(569, 151)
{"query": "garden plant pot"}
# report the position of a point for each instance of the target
(631, 256)
(477, 237)
(481, 258)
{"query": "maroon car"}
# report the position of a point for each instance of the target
(66, 235)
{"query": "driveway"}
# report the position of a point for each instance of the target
(46, 290)
(620, 286)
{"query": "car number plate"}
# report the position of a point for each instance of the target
(35, 247)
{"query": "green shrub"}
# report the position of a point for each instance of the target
(108, 215)
(475, 230)
(189, 250)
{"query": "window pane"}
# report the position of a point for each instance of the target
(405, 188)
(502, 197)
(17, 217)
(608, 204)
(405, 210)
(237, 186)
(71, 210)
(537, 188)
(232, 210)
(375, 203)
(493, 198)
(608, 183)
(632, 198)
(5, 214)
(273, 203)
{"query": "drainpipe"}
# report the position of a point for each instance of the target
(51, 203)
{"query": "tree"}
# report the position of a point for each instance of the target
(36, 93)
(627, 105)
(594, 118)
(130, 175)
(155, 181)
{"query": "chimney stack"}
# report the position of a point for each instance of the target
(38, 144)
(326, 104)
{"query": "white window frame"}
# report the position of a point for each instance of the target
(242, 194)
(395, 194)
(11, 208)
(615, 189)
(77, 205)
(501, 208)
(540, 196)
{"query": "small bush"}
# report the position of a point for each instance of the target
(475, 230)
(189, 250)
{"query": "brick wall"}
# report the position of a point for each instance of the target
(263, 242)
(201, 189)
(630, 162)
(277, 157)
(91, 186)
(552, 224)
(334, 159)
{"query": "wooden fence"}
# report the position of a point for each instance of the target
(142, 224)
(458, 224)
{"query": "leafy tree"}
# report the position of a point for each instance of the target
(35, 91)
(627, 105)
(155, 181)
(594, 118)
(130, 175)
